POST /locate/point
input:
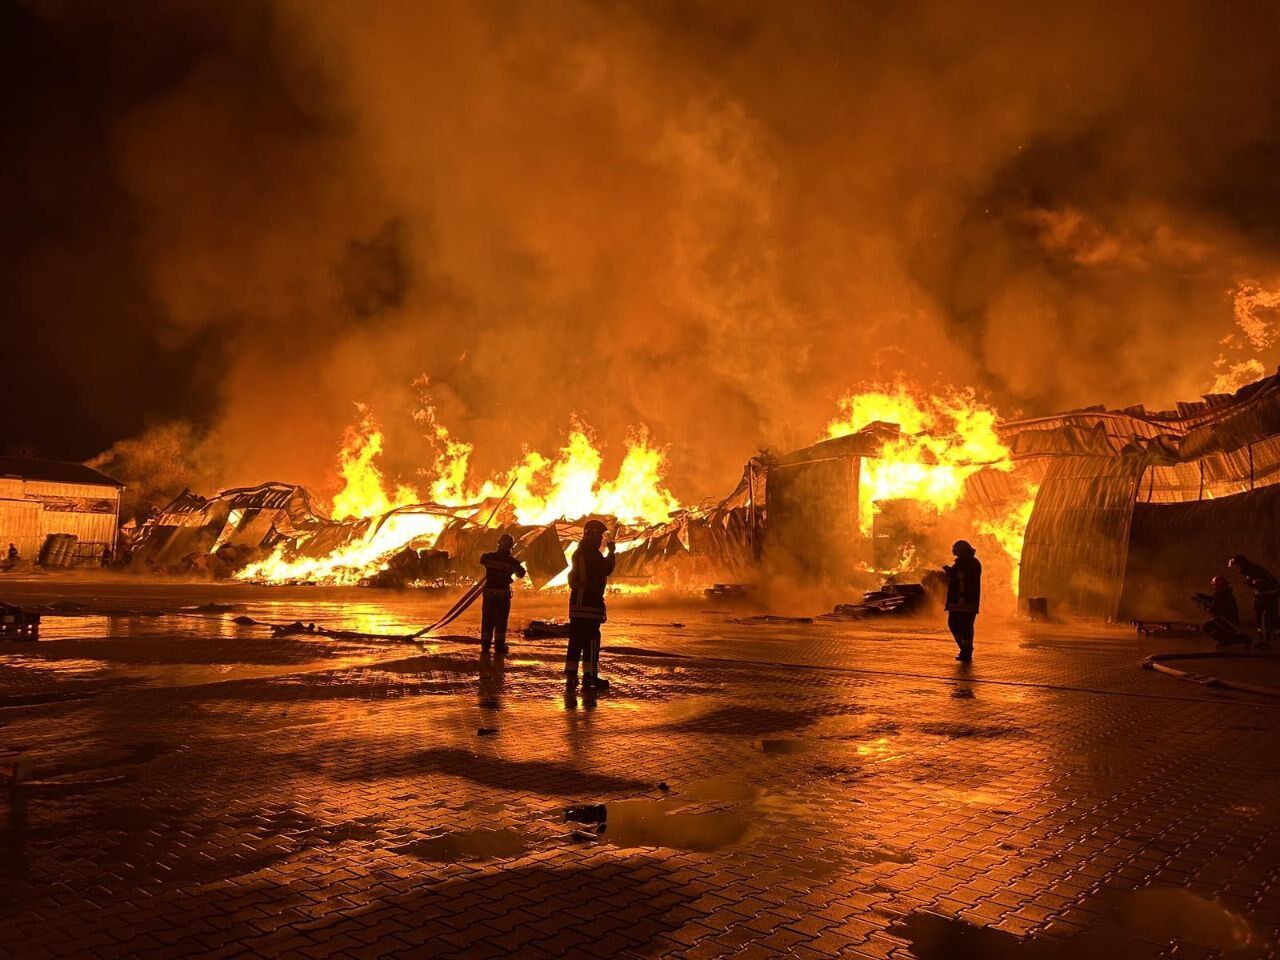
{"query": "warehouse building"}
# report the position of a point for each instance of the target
(47, 503)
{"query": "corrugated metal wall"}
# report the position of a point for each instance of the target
(1077, 537)
(813, 519)
(1174, 548)
(26, 522)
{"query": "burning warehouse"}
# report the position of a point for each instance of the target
(618, 478)
(1093, 509)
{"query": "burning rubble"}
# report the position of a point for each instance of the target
(921, 463)
(1087, 511)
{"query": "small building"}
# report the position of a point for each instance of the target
(44, 498)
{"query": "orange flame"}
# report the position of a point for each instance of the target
(539, 490)
(943, 439)
(363, 493)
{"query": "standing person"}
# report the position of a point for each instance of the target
(588, 576)
(964, 594)
(499, 567)
(1266, 595)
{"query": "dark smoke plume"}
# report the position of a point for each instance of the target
(709, 217)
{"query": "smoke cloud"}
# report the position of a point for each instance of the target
(712, 218)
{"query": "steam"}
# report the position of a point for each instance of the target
(710, 219)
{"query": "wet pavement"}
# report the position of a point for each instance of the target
(197, 787)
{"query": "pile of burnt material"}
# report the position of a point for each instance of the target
(728, 591)
(890, 598)
(414, 568)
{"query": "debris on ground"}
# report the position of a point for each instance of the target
(412, 568)
(487, 732)
(728, 591)
(771, 618)
(895, 598)
(1167, 628)
(586, 813)
(1038, 609)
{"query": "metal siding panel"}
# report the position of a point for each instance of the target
(95, 527)
(813, 519)
(1176, 547)
(1077, 536)
(20, 525)
(90, 492)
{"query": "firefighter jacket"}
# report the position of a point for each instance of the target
(499, 568)
(964, 584)
(588, 575)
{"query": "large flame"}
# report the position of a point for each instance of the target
(364, 489)
(943, 439)
(537, 490)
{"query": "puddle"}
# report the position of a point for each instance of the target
(934, 937)
(1161, 913)
(784, 746)
(466, 845)
(646, 823)
(724, 788)
(960, 730)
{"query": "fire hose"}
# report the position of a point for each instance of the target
(467, 599)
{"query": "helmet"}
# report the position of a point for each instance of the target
(1237, 560)
(594, 528)
(1220, 583)
(506, 542)
(962, 548)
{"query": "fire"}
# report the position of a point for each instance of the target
(544, 489)
(349, 564)
(363, 493)
(943, 439)
(538, 490)
(1010, 530)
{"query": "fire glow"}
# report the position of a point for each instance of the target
(537, 490)
(943, 439)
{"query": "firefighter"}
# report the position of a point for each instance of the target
(1266, 596)
(499, 567)
(1223, 625)
(964, 593)
(588, 576)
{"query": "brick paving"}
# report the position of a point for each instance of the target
(831, 790)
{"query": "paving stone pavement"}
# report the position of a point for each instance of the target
(810, 790)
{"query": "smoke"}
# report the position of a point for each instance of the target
(711, 218)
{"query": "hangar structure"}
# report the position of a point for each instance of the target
(47, 502)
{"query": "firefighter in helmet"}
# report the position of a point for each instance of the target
(499, 567)
(588, 576)
(964, 594)
(1266, 596)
